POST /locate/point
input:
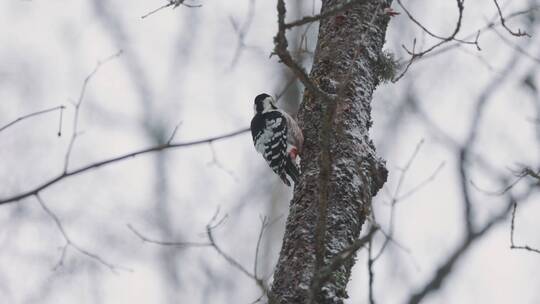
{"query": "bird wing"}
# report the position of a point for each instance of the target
(294, 136)
(269, 132)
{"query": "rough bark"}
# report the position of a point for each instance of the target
(341, 171)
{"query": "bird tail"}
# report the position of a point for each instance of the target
(292, 170)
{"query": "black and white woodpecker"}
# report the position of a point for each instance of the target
(277, 136)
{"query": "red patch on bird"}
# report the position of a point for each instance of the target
(390, 12)
(293, 153)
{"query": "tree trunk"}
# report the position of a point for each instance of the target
(341, 172)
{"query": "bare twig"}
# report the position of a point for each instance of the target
(495, 21)
(264, 224)
(444, 270)
(215, 162)
(157, 148)
(423, 183)
(516, 47)
(464, 151)
(157, 10)
(530, 172)
(79, 103)
(519, 33)
(166, 243)
(19, 119)
(512, 225)
(519, 176)
(280, 41)
(465, 191)
(173, 134)
(242, 31)
(328, 13)
(370, 272)
(430, 33)
(303, 43)
(278, 96)
(70, 243)
(213, 224)
(396, 197)
(415, 55)
(173, 3)
(230, 259)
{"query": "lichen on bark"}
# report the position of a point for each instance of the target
(341, 171)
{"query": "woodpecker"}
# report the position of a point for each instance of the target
(277, 136)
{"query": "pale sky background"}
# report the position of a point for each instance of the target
(176, 67)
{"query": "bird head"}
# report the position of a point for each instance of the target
(264, 103)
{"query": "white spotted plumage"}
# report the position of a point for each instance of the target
(277, 137)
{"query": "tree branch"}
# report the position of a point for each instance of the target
(519, 33)
(70, 243)
(415, 55)
(446, 268)
(79, 103)
(280, 42)
(19, 119)
(212, 243)
(157, 148)
(338, 8)
(512, 244)
(173, 3)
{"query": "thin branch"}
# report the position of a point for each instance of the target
(512, 225)
(423, 183)
(430, 33)
(444, 270)
(517, 47)
(227, 257)
(70, 243)
(415, 55)
(280, 49)
(173, 134)
(278, 96)
(79, 103)
(166, 243)
(464, 183)
(213, 224)
(328, 13)
(463, 153)
(173, 3)
(242, 31)
(495, 21)
(215, 162)
(264, 224)
(157, 148)
(303, 43)
(230, 259)
(519, 33)
(507, 188)
(371, 275)
(531, 173)
(157, 10)
(396, 197)
(19, 119)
